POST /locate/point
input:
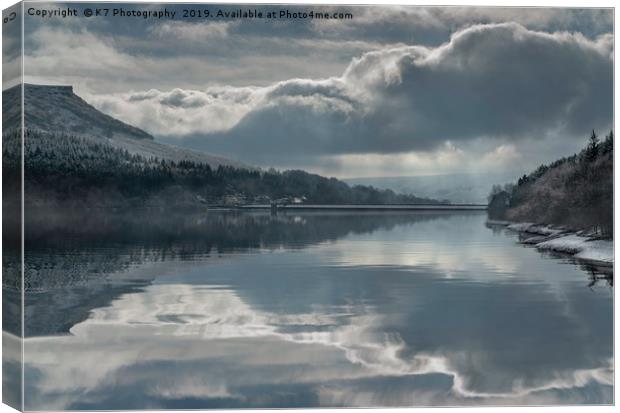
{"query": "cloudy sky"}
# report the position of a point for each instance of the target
(393, 91)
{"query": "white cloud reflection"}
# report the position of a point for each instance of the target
(215, 323)
(378, 316)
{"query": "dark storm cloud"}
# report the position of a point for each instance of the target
(285, 92)
(434, 25)
(493, 81)
(260, 52)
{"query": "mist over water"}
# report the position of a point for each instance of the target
(224, 309)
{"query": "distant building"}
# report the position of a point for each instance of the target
(236, 199)
(262, 199)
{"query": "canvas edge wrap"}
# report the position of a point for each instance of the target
(13, 212)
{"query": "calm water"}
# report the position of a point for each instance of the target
(367, 309)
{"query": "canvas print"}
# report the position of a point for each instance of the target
(214, 206)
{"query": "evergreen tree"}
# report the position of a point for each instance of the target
(78, 169)
(608, 144)
(591, 152)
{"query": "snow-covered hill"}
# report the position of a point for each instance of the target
(58, 109)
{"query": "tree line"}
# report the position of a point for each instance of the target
(62, 167)
(574, 191)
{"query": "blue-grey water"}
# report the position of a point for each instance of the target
(309, 309)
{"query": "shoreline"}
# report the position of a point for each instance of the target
(366, 207)
(582, 245)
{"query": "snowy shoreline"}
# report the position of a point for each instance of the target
(581, 245)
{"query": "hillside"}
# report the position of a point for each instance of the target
(75, 171)
(77, 156)
(56, 109)
(463, 188)
(575, 192)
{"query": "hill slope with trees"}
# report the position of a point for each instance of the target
(57, 109)
(64, 169)
(575, 192)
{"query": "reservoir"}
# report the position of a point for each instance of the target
(305, 309)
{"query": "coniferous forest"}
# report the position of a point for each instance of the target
(84, 172)
(575, 191)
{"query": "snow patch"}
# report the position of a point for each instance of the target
(581, 247)
(532, 228)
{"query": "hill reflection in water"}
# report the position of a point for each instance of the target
(225, 309)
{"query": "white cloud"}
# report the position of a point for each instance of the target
(498, 82)
(182, 112)
(502, 84)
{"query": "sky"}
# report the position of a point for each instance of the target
(394, 91)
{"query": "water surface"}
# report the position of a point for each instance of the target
(308, 309)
